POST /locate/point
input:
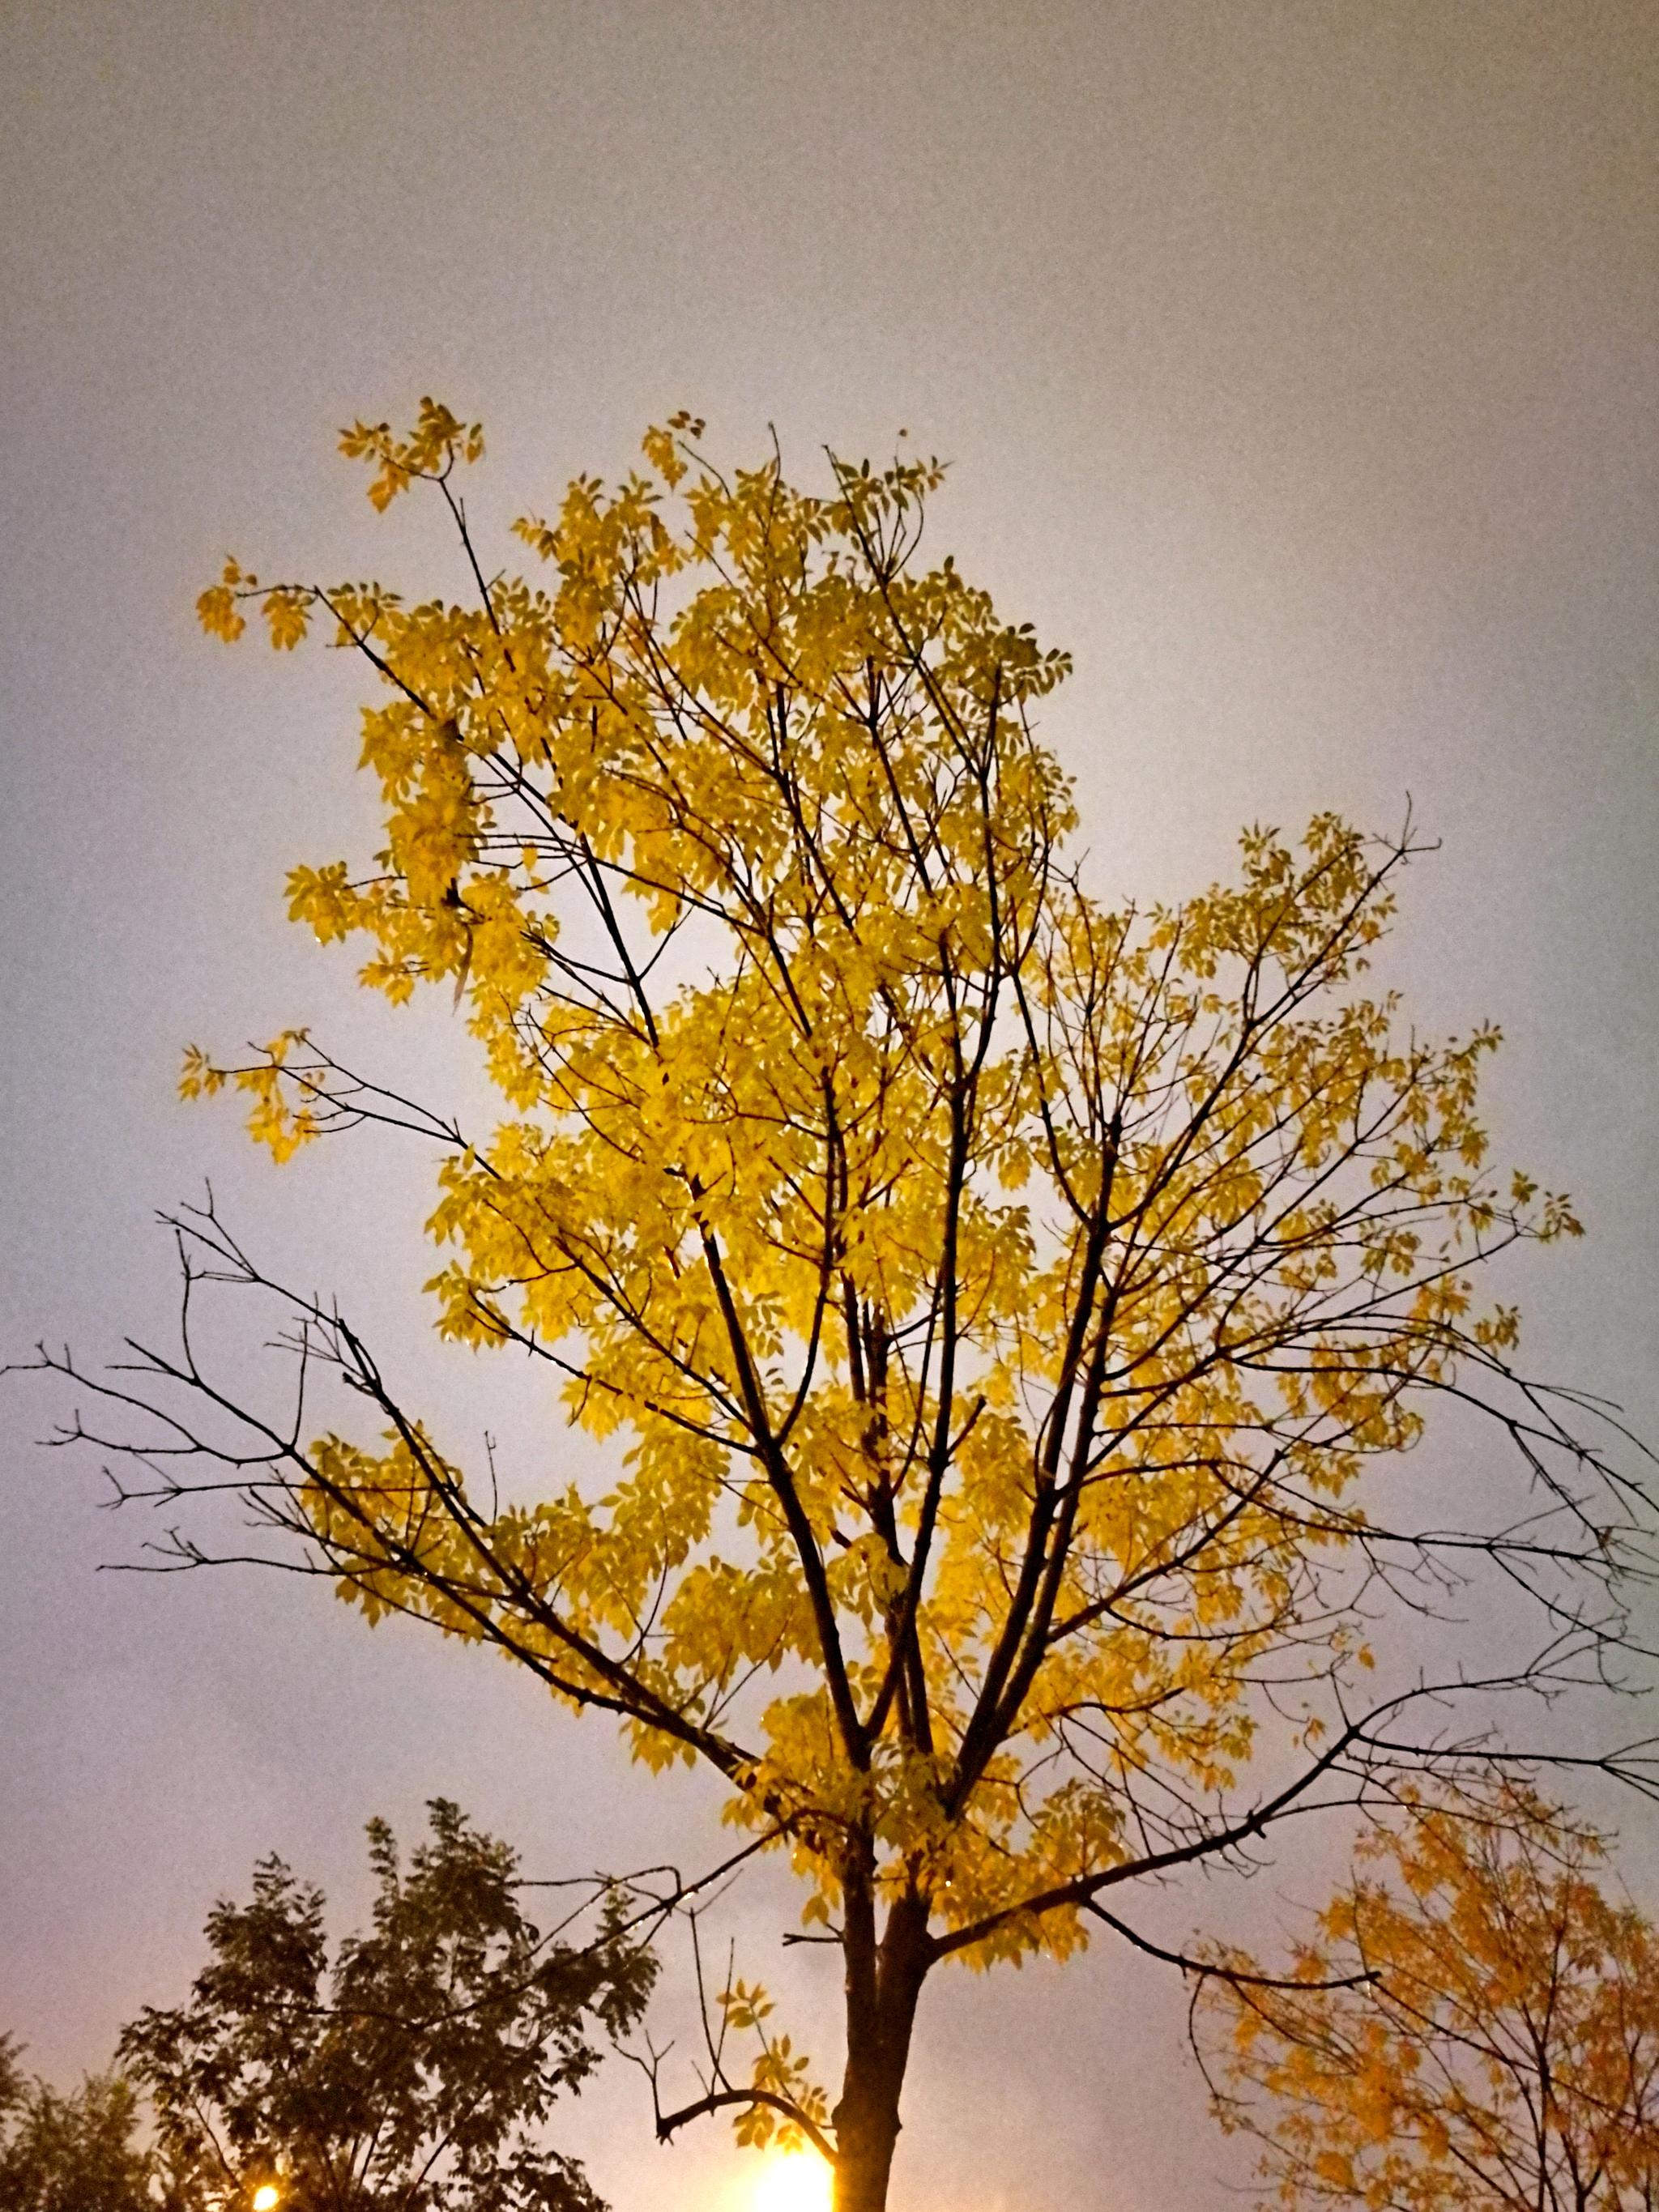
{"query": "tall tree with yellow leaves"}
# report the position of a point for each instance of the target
(998, 1298)
(1496, 2049)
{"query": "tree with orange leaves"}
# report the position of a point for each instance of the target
(1498, 2047)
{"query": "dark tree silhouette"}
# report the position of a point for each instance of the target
(412, 2073)
(73, 2153)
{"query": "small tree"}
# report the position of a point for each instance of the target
(78, 2153)
(1006, 1299)
(1501, 2053)
(414, 2073)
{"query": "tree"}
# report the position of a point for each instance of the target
(416, 2072)
(1503, 2054)
(1008, 1305)
(71, 2154)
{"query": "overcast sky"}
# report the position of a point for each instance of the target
(1297, 366)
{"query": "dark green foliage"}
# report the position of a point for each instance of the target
(416, 2070)
(68, 2154)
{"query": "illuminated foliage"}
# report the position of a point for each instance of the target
(993, 1298)
(1506, 2053)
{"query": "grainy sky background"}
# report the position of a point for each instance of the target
(1299, 365)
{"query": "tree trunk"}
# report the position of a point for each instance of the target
(883, 1985)
(863, 2157)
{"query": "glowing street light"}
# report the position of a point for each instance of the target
(792, 2181)
(266, 2197)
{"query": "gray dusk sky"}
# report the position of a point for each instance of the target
(1296, 359)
